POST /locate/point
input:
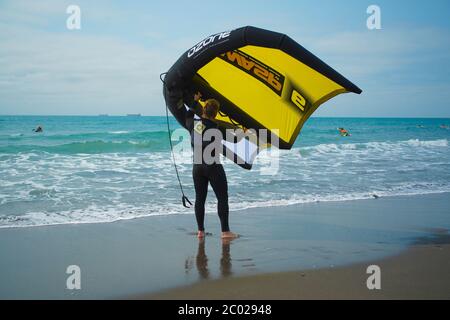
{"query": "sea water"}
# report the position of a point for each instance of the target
(104, 169)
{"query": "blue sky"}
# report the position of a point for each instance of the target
(112, 64)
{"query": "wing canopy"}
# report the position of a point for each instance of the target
(263, 80)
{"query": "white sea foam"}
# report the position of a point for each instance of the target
(103, 214)
(46, 189)
(432, 143)
(382, 145)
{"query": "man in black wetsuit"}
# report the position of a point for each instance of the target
(204, 170)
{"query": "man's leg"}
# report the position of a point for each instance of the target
(201, 190)
(218, 179)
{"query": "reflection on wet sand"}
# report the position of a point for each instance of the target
(201, 260)
(225, 261)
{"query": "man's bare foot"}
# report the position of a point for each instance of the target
(201, 234)
(229, 235)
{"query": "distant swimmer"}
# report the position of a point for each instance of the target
(444, 126)
(344, 132)
(420, 126)
(38, 129)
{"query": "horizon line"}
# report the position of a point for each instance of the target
(143, 115)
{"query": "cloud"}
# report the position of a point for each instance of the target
(369, 53)
(113, 66)
(31, 13)
(399, 100)
(106, 69)
(74, 72)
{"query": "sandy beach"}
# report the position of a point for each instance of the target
(422, 272)
(316, 250)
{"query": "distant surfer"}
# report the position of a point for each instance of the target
(343, 132)
(38, 129)
(198, 123)
(444, 126)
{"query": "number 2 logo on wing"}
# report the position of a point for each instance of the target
(298, 100)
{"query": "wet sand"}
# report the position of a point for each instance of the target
(149, 257)
(421, 272)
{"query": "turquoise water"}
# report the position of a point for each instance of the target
(101, 169)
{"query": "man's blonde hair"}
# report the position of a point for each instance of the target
(212, 107)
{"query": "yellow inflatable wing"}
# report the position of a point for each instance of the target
(262, 79)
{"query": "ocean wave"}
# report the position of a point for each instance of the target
(410, 189)
(374, 145)
(108, 214)
(432, 143)
(126, 176)
(91, 147)
(46, 136)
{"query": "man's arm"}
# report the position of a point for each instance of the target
(190, 120)
(192, 101)
(194, 107)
